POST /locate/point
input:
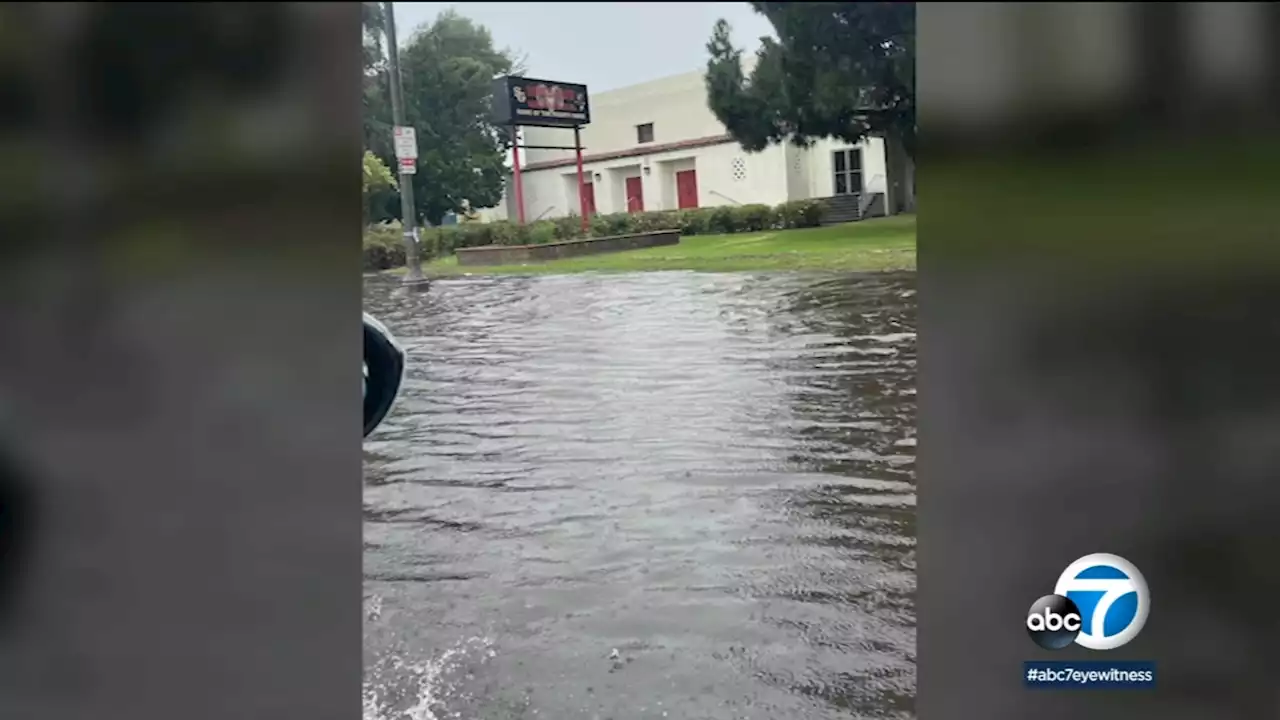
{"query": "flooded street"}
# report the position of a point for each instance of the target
(664, 495)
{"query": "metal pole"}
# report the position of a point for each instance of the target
(408, 217)
(515, 162)
(582, 195)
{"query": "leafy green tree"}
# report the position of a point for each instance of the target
(446, 69)
(373, 23)
(378, 184)
(375, 91)
(844, 70)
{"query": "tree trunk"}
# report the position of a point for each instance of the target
(900, 177)
(909, 184)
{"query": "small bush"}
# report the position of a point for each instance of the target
(800, 214)
(437, 242)
(693, 222)
(569, 228)
(721, 220)
(541, 232)
(653, 221)
(384, 248)
(461, 236)
(503, 232)
(754, 218)
(612, 224)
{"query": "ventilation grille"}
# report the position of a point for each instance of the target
(739, 169)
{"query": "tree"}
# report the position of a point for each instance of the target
(374, 26)
(447, 70)
(844, 70)
(374, 90)
(378, 182)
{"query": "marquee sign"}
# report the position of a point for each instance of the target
(544, 103)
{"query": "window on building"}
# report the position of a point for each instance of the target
(847, 168)
(644, 133)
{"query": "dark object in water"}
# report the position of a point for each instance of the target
(384, 362)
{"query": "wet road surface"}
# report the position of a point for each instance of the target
(662, 495)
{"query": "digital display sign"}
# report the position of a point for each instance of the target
(542, 103)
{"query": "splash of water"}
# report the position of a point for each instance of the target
(396, 688)
(373, 607)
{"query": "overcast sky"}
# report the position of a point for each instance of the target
(605, 45)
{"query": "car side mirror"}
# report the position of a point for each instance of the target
(384, 363)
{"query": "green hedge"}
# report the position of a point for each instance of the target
(384, 249)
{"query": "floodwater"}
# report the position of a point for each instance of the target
(662, 495)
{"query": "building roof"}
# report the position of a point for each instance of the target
(646, 149)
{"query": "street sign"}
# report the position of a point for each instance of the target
(406, 142)
(408, 166)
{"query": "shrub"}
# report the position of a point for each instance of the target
(383, 247)
(452, 237)
(800, 214)
(720, 220)
(612, 224)
(541, 232)
(653, 221)
(569, 227)
(694, 222)
(502, 232)
(379, 184)
(437, 242)
(754, 218)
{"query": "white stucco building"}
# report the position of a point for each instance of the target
(657, 146)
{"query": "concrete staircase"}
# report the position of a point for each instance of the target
(848, 208)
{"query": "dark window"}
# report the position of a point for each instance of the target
(846, 166)
(644, 133)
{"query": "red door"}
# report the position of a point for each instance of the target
(687, 189)
(589, 198)
(635, 195)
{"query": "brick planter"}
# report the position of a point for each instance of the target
(523, 254)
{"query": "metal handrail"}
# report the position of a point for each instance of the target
(868, 196)
(726, 197)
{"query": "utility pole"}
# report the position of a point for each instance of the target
(407, 213)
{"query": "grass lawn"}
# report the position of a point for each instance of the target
(878, 244)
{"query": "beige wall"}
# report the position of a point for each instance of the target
(677, 108)
(552, 192)
(820, 168)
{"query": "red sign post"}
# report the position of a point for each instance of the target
(520, 102)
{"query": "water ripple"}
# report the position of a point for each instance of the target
(660, 495)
